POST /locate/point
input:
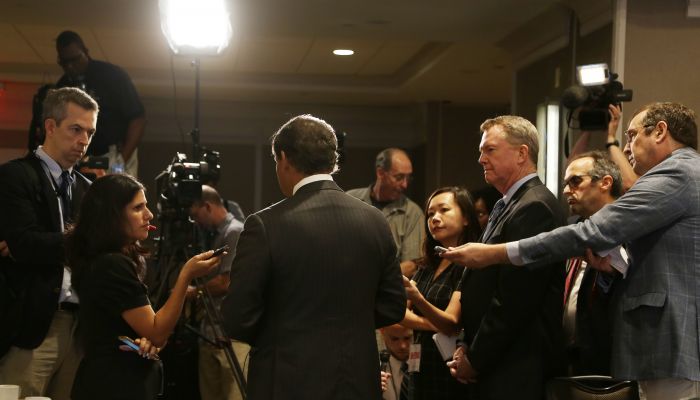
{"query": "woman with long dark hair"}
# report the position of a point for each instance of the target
(450, 221)
(107, 264)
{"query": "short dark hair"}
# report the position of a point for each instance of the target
(66, 38)
(385, 158)
(101, 225)
(471, 232)
(679, 118)
(489, 195)
(603, 165)
(55, 104)
(309, 144)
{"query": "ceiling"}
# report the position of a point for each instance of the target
(406, 51)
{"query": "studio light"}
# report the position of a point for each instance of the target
(200, 27)
(343, 52)
(593, 74)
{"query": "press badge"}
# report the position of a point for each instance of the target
(414, 358)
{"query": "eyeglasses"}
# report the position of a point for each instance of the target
(575, 181)
(631, 134)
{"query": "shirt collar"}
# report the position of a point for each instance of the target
(219, 228)
(310, 179)
(511, 191)
(54, 169)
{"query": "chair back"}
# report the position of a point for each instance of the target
(591, 388)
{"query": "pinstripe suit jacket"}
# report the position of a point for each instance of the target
(313, 276)
(655, 321)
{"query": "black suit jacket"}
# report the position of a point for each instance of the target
(512, 316)
(30, 223)
(590, 353)
(313, 276)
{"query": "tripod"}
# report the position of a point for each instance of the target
(179, 241)
(172, 252)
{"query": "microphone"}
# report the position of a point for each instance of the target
(384, 360)
(574, 96)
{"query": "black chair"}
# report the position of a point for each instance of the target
(591, 388)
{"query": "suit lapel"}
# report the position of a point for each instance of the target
(47, 192)
(498, 222)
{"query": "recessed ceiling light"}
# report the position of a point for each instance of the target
(343, 52)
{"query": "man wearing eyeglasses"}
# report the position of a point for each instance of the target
(656, 308)
(591, 181)
(122, 116)
(393, 174)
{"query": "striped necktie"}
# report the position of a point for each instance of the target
(406, 386)
(64, 193)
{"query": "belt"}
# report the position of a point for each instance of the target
(68, 306)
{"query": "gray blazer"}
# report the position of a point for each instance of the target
(655, 308)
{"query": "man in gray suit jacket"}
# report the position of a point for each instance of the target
(656, 335)
(313, 276)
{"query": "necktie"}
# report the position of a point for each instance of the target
(64, 193)
(497, 210)
(406, 387)
(573, 264)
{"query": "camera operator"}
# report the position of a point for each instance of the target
(122, 117)
(629, 177)
(215, 377)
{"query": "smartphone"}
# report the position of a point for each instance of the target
(439, 250)
(220, 251)
(129, 342)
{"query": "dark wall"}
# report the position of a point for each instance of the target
(456, 154)
(535, 83)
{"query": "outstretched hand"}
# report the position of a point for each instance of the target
(477, 255)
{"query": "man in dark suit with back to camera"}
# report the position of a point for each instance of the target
(41, 193)
(512, 317)
(313, 276)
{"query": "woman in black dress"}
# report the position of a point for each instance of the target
(107, 266)
(450, 221)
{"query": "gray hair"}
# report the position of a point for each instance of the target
(518, 131)
(56, 103)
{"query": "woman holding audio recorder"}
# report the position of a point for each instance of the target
(107, 264)
(451, 220)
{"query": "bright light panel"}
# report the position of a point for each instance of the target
(593, 74)
(552, 177)
(195, 26)
(343, 52)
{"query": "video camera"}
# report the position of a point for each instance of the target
(597, 89)
(180, 184)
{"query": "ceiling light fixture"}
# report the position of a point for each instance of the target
(200, 27)
(343, 52)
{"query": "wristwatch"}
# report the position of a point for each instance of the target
(613, 143)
